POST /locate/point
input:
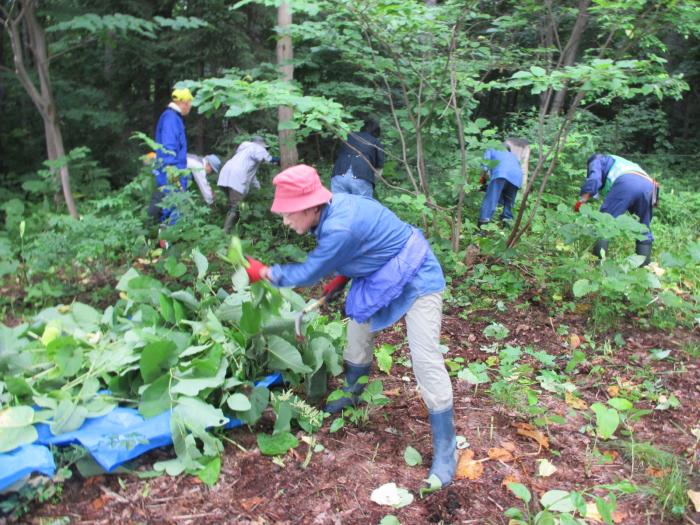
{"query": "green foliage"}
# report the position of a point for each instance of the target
(193, 351)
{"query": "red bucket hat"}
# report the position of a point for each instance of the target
(298, 188)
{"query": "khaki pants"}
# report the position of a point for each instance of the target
(423, 322)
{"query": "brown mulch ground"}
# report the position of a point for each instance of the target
(336, 486)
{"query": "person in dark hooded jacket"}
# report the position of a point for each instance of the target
(359, 160)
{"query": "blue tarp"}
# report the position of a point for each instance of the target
(112, 440)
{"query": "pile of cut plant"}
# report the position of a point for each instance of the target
(194, 353)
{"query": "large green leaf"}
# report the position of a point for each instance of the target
(201, 262)
(277, 444)
(157, 358)
(607, 420)
(284, 356)
(16, 417)
(155, 398)
(198, 413)
(250, 320)
(259, 399)
(11, 438)
(191, 386)
(67, 417)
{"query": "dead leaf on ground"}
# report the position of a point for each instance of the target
(467, 467)
(575, 402)
(249, 504)
(574, 341)
(656, 472)
(545, 468)
(500, 454)
(613, 390)
(99, 502)
(527, 430)
(510, 478)
(593, 515)
(694, 496)
(393, 392)
(508, 445)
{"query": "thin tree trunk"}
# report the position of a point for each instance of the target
(571, 51)
(43, 96)
(285, 54)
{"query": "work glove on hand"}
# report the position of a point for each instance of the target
(254, 269)
(275, 160)
(482, 182)
(333, 288)
(577, 206)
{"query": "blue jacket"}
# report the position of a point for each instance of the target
(348, 157)
(508, 166)
(602, 168)
(356, 236)
(170, 133)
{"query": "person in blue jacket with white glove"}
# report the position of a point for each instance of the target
(631, 189)
(170, 134)
(506, 177)
(394, 274)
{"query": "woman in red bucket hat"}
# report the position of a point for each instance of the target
(394, 274)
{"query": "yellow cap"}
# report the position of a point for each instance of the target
(182, 95)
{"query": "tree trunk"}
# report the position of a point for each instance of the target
(43, 96)
(285, 54)
(571, 51)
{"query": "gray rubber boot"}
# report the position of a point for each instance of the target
(599, 246)
(353, 388)
(231, 219)
(444, 446)
(644, 248)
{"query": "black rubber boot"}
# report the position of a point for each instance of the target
(644, 248)
(599, 246)
(353, 389)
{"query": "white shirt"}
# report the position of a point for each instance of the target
(239, 172)
(196, 165)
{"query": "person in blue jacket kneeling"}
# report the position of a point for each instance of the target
(632, 189)
(394, 274)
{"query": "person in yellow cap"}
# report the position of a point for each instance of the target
(170, 134)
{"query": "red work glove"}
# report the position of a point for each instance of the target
(254, 269)
(482, 179)
(577, 206)
(335, 286)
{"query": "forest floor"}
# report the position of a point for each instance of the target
(336, 486)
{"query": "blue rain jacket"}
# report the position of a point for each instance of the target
(356, 237)
(170, 133)
(628, 191)
(508, 166)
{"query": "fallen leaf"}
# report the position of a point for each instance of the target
(545, 468)
(657, 473)
(694, 496)
(500, 454)
(249, 504)
(613, 390)
(592, 514)
(467, 467)
(575, 402)
(393, 392)
(99, 502)
(574, 341)
(390, 494)
(525, 429)
(508, 445)
(510, 478)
